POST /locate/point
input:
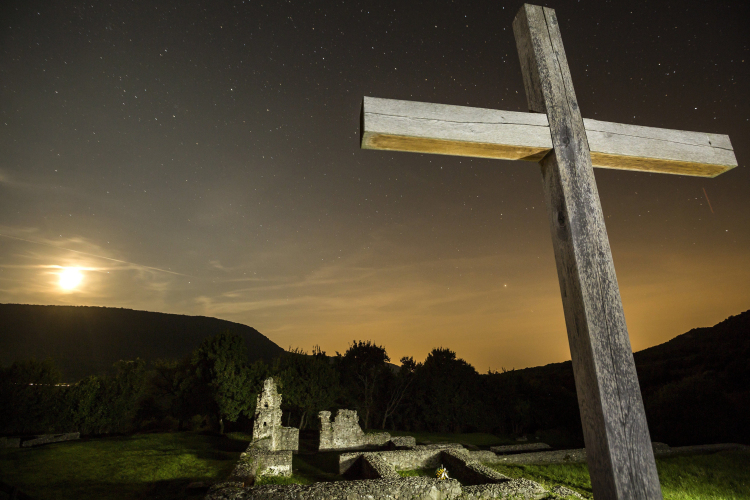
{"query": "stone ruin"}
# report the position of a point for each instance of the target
(374, 474)
(346, 434)
(370, 473)
(268, 433)
(270, 452)
(26, 441)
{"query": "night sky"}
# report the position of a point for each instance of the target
(203, 158)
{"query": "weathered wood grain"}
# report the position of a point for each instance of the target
(394, 125)
(634, 147)
(619, 454)
(442, 129)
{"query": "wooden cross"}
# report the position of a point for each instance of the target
(618, 446)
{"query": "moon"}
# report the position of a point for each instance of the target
(70, 278)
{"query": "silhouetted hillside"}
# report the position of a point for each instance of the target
(696, 387)
(86, 340)
(722, 348)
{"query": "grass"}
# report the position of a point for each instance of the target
(417, 473)
(163, 465)
(318, 467)
(718, 476)
(138, 466)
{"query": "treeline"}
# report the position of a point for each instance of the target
(216, 387)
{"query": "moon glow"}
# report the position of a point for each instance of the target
(70, 278)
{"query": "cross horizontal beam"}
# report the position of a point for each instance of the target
(419, 127)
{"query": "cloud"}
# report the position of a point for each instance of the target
(69, 241)
(9, 180)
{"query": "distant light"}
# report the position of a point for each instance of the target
(70, 278)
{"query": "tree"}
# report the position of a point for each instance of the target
(399, 386)
(363, 367)
(310, 381)
(220, 364)
(83, 408)
(171, 391)
(446, 396)
(122, 394)
(106, 404)
(28, 396)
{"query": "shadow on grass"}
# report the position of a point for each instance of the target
(319, 467)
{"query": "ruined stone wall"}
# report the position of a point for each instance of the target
(415, 488)
(512, 489)
(268, 433)
(467, 470)
(257, 462)
(50, 438)
(288, 439)
(326, 431)
(403, 442)
(267, 416)
(374, 467)
(382, 480)
(518, 448)
(345, 433)
(421, 457)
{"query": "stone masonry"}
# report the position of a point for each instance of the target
(268, 433)
(376, 478)
(420, 457)
(270, 452)
(519, 448)
(256, 462)
(49, 438)
(346, 434)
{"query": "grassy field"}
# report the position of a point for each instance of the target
(162, 466)
(718, 476)
(138, 466)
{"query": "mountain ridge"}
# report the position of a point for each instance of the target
(85, 340)
(695, 386)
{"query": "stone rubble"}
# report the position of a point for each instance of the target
(565, 492)
(50, 438)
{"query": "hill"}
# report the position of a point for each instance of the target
(696, 387)
(87, 340)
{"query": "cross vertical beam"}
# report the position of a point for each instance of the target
(618, 446)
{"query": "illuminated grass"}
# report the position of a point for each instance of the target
(143, 465)
(718, 476)
(163, 465)
(417, 473)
